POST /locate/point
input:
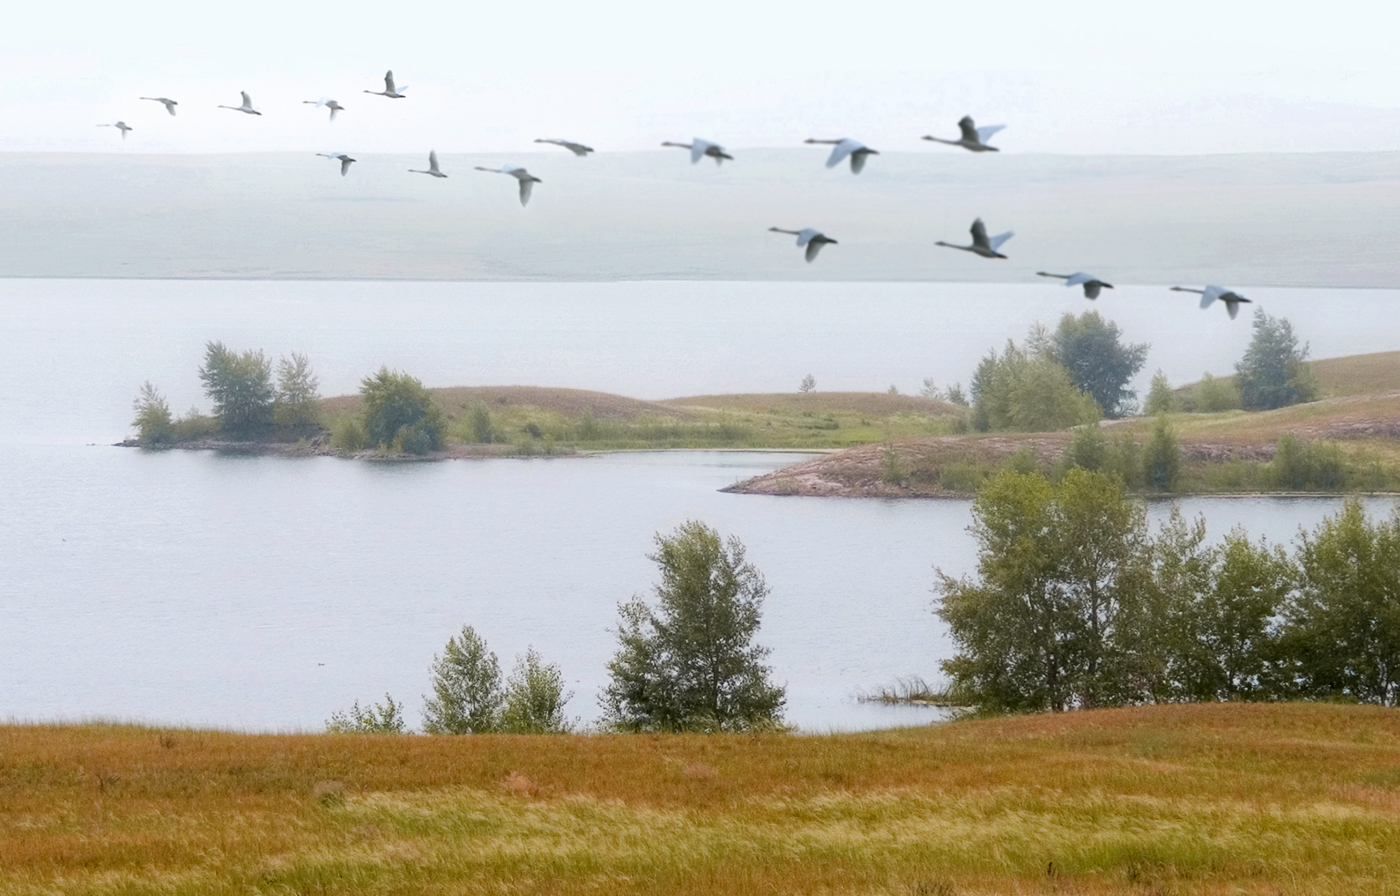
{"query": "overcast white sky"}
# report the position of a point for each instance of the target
(1187, 76)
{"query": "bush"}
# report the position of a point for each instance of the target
(891, 469)
(1212, 394)
(961, 476)
(240, 386)
(348, 434)
(1160, 397)
(535, 698)
(479, 423)
(1125, 460)
(380, 718)
(1161, 457)
(689, 663)
(152, 421)
(1087, 449)
(467, 694)
(399, 413)
(1289, 468)
(1022, 392)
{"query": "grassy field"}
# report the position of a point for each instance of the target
(1211, 799)
(532, 419)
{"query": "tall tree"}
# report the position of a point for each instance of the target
(1024, 391)
(1274, 371)
(467, 695)
(298, 403)
(690, 663)
(1098, 360)
(240, 386)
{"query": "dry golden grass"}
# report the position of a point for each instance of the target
(1358, 374)
(1248, 799)
(873, 404)
(567, 402)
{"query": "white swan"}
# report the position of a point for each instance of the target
(119, 125)
(328, 103)
(345, 161)
(168, 103)
(527, 180)
(1208, 295)
(973, 138)
(246, 107)
(392, 92)
(811, 238)
(1092, 285)
(847, 147)
(432, 166)
(701, 148)
(982, 244)
(577, 149)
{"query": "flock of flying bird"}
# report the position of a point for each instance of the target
(972, 138)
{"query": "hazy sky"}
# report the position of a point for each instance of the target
(1186, 76)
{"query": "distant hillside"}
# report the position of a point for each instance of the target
(1349, 375)
(880, 404)
(1325, 219)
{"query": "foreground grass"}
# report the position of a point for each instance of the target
(1180, 800)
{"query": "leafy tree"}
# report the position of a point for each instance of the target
(378, 718)
(1225, 621)
(1098, 361)
(535, 697)
(954, 395)
(399, 413)
(1274, 371)
(240, 386)
(297, 402)
(689, 663)
(808, 384)
(1160, 397)
(1289, 468)
(1343, 628)
(930, 389)
(1161, 457)
(1022, 392)
(1059, 568)
(467, 696)
(1087, 449)
(153, 422)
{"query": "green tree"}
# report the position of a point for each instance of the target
(399, 413)
(1342, 630)
(153, 420)
(479, 422)
(689, 663)
(1161, 457)
(1274, 371)
(378, 718)
(1161, 399)
(1213, 394)
(1059, 569)
(535, 698)
(240, 386)
(297, 402)
(1021, 392)
(467, 696)
(1225, 622)
(808, 384)
(1087, 449)
(1099, 362)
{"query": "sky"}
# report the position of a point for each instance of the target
(1082, 77)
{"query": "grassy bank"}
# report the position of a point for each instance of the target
(1181, 800)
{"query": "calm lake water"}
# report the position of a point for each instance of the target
(266, 593)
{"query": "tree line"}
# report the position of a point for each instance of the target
(1076, 604)
(685, 662)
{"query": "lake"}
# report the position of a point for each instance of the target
(264, 593)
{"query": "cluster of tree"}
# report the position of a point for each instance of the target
(246, 401)
(397, 414)
(689, 663)
(1273, 373)
(1156, 464)
(1073, 375)
(1077, 605)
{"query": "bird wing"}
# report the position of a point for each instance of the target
(579, 149)
(1092, 289)
(979, 234)
(1077, 278)
(1233, 308)
(526, 188)
(247, 100)
(968, 128)
(813, 248)
(697, 149)
(345, 164)
(804, 236)
(985, 133)
(1212, 293)
(996, 241)
(432, 160)
(858, 161)
(839, 152)
(389, 82)
(334, 109)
